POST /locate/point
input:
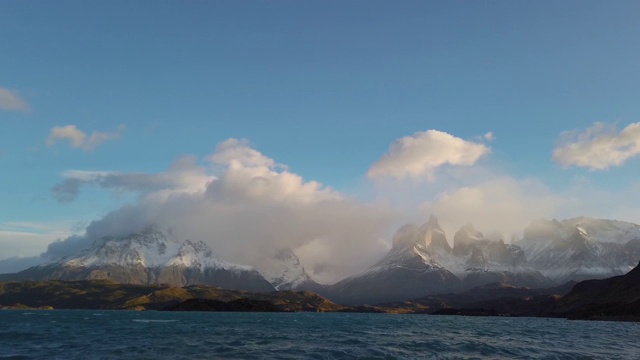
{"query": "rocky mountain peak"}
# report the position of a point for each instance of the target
(433, 222)
(284, 271)
(425, 239)
(433, 238)
(465, 239)
(288, 255)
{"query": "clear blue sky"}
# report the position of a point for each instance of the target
(321, 86)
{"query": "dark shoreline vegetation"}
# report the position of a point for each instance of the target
(616, 299)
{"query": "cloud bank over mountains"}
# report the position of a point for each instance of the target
(244, 205)
(248, 207)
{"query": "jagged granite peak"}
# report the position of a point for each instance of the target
(410, 269)
(421, 262)
(415, 244)
(150, 256)
(429, 237)
(433, 222)
(508, 254)
(285, 272)
(433, 237)
(465, 239)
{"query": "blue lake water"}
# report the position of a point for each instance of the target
(73, 334)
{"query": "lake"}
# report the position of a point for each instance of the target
(70, 334)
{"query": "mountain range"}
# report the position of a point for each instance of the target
(421, 262)
(148, 257)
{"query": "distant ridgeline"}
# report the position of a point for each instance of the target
(421, 262)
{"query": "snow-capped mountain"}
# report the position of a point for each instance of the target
(421, 262)
(149, 257)
(409, 270)
(581, 248)
(150, 248)
(285, 272)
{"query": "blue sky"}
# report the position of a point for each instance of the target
(323, 87)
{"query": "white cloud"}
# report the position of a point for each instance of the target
(423, 152)
(239, 150)
(79, 139)
(489, 136)
(245, 206)
(10, 100)
(598, 147)
(184, 175)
